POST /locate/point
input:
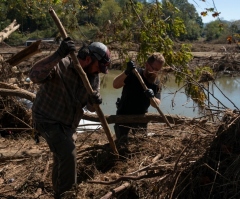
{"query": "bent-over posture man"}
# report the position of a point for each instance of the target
(134, 100)
(59, 104)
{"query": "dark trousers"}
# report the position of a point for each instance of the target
(61, 143)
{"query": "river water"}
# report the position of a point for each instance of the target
(176, 104)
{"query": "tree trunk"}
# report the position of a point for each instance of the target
(144, 118)
(9, 30)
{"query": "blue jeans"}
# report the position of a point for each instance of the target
(61, 143)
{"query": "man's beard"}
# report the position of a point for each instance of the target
(150, 76)
(87, 68)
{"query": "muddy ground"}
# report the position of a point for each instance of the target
(195, 159)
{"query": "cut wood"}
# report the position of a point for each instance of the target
(8, 30)
(116, 190)
(25, 53)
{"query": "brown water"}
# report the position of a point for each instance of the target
(175, 104)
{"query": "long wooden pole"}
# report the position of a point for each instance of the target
(86, 83)
(152, 99)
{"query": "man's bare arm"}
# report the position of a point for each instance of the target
(42, 69)
(118, 81)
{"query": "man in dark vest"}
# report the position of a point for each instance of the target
(134, 100)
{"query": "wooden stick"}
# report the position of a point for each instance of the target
(126, 178)
(116, 190)
(152, 99)
(87, 85)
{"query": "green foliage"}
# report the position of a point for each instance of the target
(193, 88)
(144, 27)
(187, 12)
(215, 29)
(17, 39)
(107, 11)
(152, 30)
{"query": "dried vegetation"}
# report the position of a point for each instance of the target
(196, 159)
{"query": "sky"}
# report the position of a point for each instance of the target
(230, 9)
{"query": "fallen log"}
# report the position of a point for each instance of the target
(9, 30)
(18, 92)
(144, 118)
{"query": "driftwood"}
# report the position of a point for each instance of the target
(17, 92)
(8, 30)
(25, 53)
(144, 118)
(126, 178)
(116, 190)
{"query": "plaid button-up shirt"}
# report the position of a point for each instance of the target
(62, 96)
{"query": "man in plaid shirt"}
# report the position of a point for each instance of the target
(59, 104)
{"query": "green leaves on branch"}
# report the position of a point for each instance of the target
(152, 29)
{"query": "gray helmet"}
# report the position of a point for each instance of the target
(100, 51)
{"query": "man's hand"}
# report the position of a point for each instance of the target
(95, 98)
(130, 67)
(66, 46)
(149, 93)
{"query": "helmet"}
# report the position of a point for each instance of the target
(102, 53)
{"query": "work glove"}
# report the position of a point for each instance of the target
(130, 67)
(149, 93)
(66, 46)
(95, 98)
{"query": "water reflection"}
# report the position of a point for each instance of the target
(174, 103)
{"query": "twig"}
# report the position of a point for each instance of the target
(156, 158)
(175, 184)
(142, 169)
(116, 190)
(175, 69)
(225, 95)
(18, 119)
(88, 135)
(175, 166)
(41, 183)
(203, 128)
(20, 148)
(215, 176)
(125, 178)
(232, 122)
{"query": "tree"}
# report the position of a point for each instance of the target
(107, 11)
(214, 30)
(147, 27)
(187, 12)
